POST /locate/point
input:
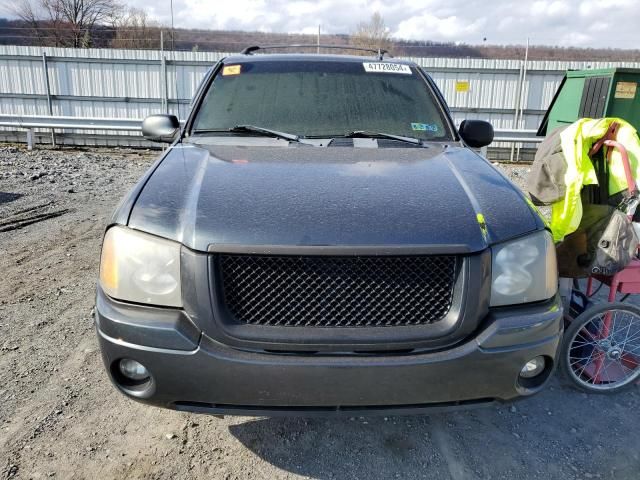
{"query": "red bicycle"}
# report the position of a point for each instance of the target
(600, 351)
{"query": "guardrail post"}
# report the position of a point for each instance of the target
(30, 139)
(45, 72)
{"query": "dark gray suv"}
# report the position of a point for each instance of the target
(320, 239)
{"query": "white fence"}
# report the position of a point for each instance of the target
(131, 84)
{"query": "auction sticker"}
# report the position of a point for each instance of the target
(383, 67)
(231, 70)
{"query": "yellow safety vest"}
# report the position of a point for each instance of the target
(577, 140)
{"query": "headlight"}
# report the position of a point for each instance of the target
(141, 268)
(524, 270)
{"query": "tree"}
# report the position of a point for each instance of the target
(65, 23)
(372, 34)
(133, 29)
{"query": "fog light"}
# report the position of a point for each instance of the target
(533, 367)
(133, 370)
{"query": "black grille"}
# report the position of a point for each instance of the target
(319, 291)
(594, 97)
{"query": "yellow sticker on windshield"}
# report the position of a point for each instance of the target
(231, 70)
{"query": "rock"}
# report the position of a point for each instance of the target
(12, 471)
(513, 409)
(170, 436)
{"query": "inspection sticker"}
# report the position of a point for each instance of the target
(383, 67)
(231, 70)
(424, 127)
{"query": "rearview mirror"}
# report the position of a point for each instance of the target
(476, 133)
(160, 128)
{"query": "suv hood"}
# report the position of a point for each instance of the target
(434, 198)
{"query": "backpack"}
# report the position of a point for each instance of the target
(545, 182)
(616, 247)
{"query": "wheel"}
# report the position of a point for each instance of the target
(600, 363)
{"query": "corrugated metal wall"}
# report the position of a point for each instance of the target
(135, 83)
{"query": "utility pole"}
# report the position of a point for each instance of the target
(163, 75)
(524, 79)
(172, 33)
(318, 41)
(522, 93)
(519, 99)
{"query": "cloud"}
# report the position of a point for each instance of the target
(432, 27)
(548, 22)
(577, 39)
(551, 9)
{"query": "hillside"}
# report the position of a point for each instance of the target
(15, 32)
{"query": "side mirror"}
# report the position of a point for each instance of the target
(160, 128)
(476, 133)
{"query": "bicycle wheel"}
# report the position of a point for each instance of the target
(601, 348)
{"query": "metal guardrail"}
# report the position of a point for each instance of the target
(29, 122)
(78, 123)
(516, 136)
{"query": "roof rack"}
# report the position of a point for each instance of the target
(379, 52)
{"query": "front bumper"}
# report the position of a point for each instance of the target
(190, 371)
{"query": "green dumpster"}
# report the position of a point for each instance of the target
(610, 92)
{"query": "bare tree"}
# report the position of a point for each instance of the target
(45, 22)
(65, 23)
(133, 29)
(372, 34)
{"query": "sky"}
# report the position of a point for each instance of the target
(586, 23)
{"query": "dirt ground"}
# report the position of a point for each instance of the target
(61, 418)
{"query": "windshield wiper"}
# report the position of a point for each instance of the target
(390, 136)
(253, 129)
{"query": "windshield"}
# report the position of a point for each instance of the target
(323, 99)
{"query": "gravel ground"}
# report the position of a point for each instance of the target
(60, 417)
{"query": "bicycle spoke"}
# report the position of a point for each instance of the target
(631, 350)
(635, 336)
(587, 363)
(626, 336)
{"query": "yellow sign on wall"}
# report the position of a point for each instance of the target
(462, 85)
(626, 90)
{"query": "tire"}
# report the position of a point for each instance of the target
(620, 350)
